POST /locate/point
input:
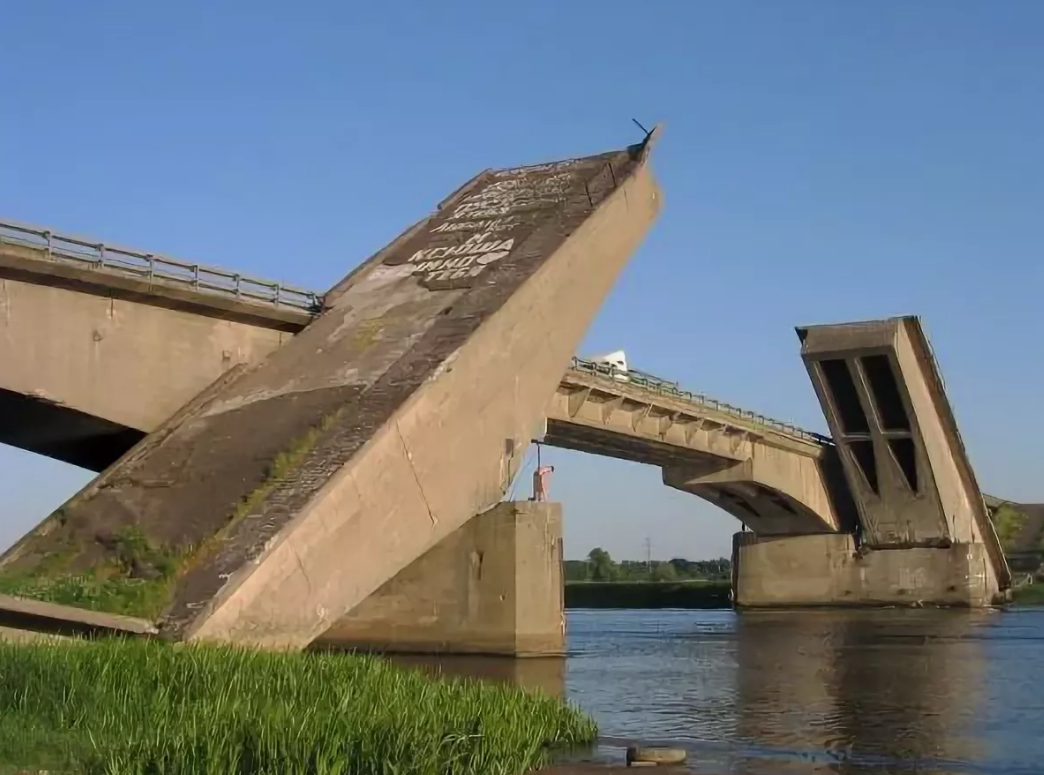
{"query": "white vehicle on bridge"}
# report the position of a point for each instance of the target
(615, 364)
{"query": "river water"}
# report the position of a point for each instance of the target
(886, 691)
(856, 692)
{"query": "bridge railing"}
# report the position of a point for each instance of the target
(150, 266)
(659, 386)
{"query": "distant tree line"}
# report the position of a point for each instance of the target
(599, 566)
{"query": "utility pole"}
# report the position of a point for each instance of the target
(648, 557)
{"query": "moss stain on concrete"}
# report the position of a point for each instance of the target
(139, 577)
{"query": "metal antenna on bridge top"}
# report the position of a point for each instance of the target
(638, 123)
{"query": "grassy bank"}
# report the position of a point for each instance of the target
(1031, 594)
(647, 594)
(125, 706)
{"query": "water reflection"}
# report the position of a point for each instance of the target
(848, 692)
(862, 690)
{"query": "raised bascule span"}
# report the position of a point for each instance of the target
(291, 489)
(313, 464)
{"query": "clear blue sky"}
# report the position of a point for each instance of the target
(821, 162)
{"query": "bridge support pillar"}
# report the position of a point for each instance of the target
(493, 586)
(828, 570)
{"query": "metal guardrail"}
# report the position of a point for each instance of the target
(150, 266)
(673, 390)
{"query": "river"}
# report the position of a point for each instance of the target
(853, 692)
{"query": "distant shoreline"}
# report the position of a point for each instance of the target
(697, 594)
(648, 594)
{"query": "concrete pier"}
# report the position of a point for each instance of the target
(493, 586)
(828, 570)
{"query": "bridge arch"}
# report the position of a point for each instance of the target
(771, 492)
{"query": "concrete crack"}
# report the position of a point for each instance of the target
(301, 566)
(420, 488)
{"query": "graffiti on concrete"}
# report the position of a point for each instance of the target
(483, 226)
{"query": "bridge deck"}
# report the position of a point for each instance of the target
(32, 251)
(601, 409)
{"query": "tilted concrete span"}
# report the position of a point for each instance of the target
(925, 530)
(293, 489)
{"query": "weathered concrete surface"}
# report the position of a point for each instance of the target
(776, 481)
(80, 369)
(493, 586)
(20, 618)
(401, 412)
(900, 447)
(827, 569)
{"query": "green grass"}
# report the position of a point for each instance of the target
(1031, 594)
(137, 580)
(139, 577)
(134, 707)
(1008, 522)
(647, 594)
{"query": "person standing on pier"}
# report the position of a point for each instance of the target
(541, 476)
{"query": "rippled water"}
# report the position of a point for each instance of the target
(887, 691)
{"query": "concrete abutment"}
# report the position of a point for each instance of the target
(492, 587)
(830, 570)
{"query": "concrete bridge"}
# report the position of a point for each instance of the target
(314, 462)
(87, 378)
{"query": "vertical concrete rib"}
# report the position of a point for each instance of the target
(397, 415)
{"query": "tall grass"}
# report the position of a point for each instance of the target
(131, 707)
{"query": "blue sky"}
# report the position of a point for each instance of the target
(821, 162)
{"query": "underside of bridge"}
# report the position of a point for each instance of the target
(776, 479)
(61, 433)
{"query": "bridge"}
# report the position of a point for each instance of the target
(312, 465)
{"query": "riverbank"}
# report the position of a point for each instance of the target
(1031, 594)
(130, 706)
(695, 594)
(648, 594)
